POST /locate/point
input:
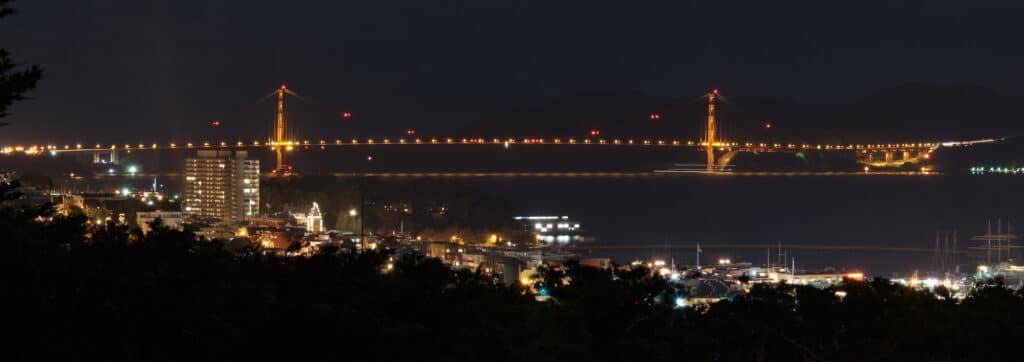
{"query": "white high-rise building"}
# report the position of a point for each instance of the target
(222, 184)
(314, 221)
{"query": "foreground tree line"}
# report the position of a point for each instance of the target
(113, 294)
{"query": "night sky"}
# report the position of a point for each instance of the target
(159, 70)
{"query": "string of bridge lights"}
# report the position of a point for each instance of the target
(506, 142)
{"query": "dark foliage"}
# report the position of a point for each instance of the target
(168, 296)
(434, 208)
(14, 83)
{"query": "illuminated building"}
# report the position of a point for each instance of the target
(314, 221)
(170, 219)
(223, 185)
(68, 203)
(301, 220)
(552, 229)
(821, 280)
(1012, 275)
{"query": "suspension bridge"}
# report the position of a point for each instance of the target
(719, 151)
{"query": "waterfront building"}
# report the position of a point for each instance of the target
(552, 229)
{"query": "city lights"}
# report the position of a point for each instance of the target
(680, 302)
(691, 181)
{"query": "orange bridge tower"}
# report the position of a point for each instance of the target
(711, 128)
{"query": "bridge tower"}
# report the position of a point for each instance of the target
(710, 137)
(279, 127)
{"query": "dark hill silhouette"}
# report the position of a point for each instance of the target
(912, 111)
(572, 114)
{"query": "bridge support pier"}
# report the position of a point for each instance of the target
(893, 158)
(280, 160)
(711, 158)
(96, 157)
(113, 156)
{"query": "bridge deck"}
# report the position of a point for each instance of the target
(362, 142)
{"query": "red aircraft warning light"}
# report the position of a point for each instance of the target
(410, 132)
(595, 132)
(215, 123)
(767, 125)
(283, 87)
(346, 115)
(654, 116)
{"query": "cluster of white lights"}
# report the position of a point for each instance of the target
(999, 170)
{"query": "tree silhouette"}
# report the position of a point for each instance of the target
(84, 292)
(14, 82)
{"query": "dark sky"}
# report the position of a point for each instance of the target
(161, 69)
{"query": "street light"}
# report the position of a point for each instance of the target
(352, 212)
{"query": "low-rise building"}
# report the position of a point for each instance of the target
(218, 231)
(170, 219)
(314, 220)
(821, 280)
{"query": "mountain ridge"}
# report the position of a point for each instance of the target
(903, 112)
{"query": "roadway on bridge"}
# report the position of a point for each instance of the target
(504, 142)
(583, 174)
